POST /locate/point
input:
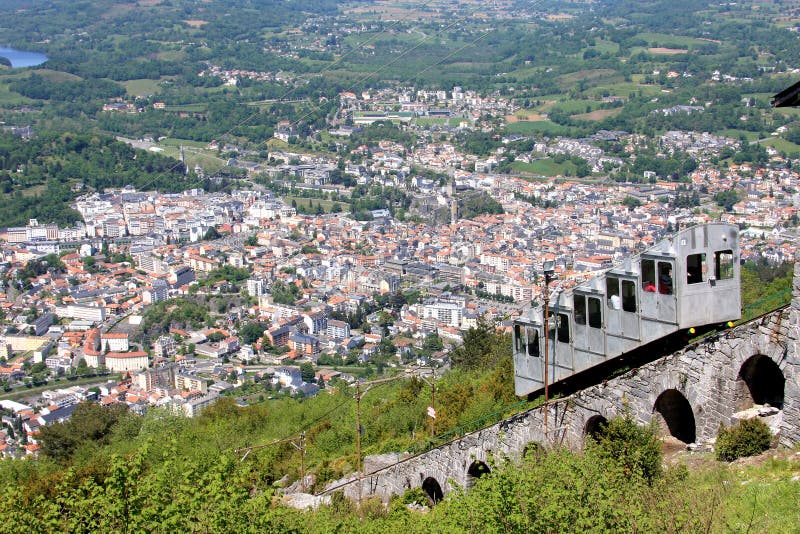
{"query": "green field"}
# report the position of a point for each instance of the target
(143, 87)
(623, 89)
(589, 77)
(604, 47)
(667, 40)
(736, 134)
(171, 55)
(537, 127)
(195, 152)
(10, 98)
(56, 75)
(188, 108)
(175, 142)
(791, 112)
(782, 145)
(452, 121)
(544, 167)
(576, 106)
(307, 203)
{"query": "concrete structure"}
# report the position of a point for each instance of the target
(688, 393)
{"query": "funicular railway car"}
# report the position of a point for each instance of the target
(687, 280)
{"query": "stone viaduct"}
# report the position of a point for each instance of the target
(690, 393)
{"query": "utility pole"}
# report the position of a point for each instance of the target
(432, 408)
(433, 401)
(358, 431)
(549, 274)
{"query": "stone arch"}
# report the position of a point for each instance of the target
(431, 486)
(595, 426)
(476, 470)
(760, 381)
(675, 416)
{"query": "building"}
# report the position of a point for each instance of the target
(304, 344)
(112, 342)
(158, 293)
(194, 407)
(95, 314)
(316, 323)
(256, 287)
(187, 382)
(181, 276)
(444, 312)
(338, 330)
(165, 347)
(160, 377)
(120, 362)
(279, 335)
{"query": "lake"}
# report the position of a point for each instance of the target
(20, 58)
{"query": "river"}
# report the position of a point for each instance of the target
(20, 58)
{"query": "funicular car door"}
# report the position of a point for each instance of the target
(658, 300)
(560, 345)
(589, 338)
(622, 318)
(528, 363)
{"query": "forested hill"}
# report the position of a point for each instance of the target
(99, 39)
(37, 175)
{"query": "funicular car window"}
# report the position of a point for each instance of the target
(695, 268)
(723, 264)
(649, 276)
(579, 305)
(665, 278)
(563, 328)
(532, 340)
(612, 293)
(595, 313)
(628, 296)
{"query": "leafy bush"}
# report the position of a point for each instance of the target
(415, 495)
(747, 438)
(634, 448)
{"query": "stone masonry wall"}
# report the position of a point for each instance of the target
(706, 374)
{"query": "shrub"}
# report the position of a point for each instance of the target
(747, 438)
(635, 448)
(415, 495)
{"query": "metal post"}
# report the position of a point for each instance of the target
(358, 438)
(303, 462)
(546, 349)
(549, 272)
(433, 400)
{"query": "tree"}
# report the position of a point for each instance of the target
(211, 234)
(89, 423)
(215, 337)
(726, 199)
(307, 372)
(433, 342)
(631, 202)
(483, 348)
(251, 332)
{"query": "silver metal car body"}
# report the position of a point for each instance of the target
(689, 279)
